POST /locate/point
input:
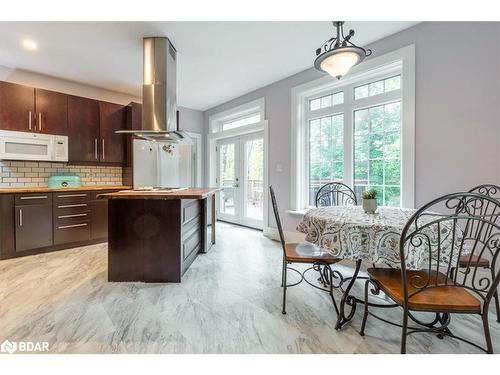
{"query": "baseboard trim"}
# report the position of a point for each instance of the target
(273, 234)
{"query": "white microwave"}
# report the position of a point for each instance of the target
(33, 146)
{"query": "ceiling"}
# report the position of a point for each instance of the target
(217, 61)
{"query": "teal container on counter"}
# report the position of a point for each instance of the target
(58, 182)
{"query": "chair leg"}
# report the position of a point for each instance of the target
(284, 287)
(283, 268)
(404, 331)
(331, 290)
(365, 315)
(495, 296)
(486, 326)
(497, 305)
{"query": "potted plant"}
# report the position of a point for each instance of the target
(370, 201)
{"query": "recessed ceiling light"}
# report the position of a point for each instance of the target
(29, 44)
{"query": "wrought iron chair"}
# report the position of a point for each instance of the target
(492, 191)
(468, 224)
(335, 194)
(305, 253)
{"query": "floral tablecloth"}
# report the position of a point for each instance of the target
(348, 232)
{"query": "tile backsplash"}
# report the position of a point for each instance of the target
(36, 174)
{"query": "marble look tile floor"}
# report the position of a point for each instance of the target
(228, 302)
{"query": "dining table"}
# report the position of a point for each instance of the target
(347, 232)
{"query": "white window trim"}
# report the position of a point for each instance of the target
(217, 120)
(402, 59)
(216, 133)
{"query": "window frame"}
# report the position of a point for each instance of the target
(217, 121)
(401, 62)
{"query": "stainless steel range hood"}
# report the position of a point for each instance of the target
(159, 93)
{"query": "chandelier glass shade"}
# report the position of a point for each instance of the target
(338, 54)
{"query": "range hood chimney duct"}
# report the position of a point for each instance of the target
(159, 93)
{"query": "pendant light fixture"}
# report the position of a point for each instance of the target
(338, 54)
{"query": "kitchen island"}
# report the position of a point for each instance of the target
(154, 236)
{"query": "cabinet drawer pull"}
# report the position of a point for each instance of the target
(74, 215)
(72, 205)
(71, 195)
(72, 226)
(35, 197)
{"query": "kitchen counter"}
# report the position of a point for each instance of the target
(190, 193)
(50, 190)
(154, 236)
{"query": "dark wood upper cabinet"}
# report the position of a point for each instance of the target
(51, 112)
(89, 124)
(17, 107)
(83, 130)
(112, 145)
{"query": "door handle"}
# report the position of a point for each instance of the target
(39, 121)
(95, 149)
(102, 142)
(29, 120)
(20, 217)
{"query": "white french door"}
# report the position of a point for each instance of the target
(240, 175)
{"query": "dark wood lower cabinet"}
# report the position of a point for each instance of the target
(154, 240)
(33, 226)
(40, 222)
(99, 228)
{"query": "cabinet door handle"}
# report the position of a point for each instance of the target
(102, 141)
(72, 205)
(72, 226)
(74, 215)
(39, 121)
(34, 197)
(71, 195)
(29, 120)
(95, 149)
(20, 217)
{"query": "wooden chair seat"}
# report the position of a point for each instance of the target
(442, 298)
(306, 252)
(481, 262)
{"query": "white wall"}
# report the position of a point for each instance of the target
(24, 77)
(457, 109)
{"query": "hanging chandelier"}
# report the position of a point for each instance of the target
(338, 55)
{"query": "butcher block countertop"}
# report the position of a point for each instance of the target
(189, 193)
(50, 190)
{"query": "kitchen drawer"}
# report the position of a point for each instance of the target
(67, 233)
(192, 244)
(68, 219)
(33, 198)
(71, 197)
(71, 208)
(190, 210)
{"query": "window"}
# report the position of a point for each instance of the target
(359, 130)
(326, 101)
(326, 152)
(377, 87)
(244, 115)
(377, 152)
(242, 121)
